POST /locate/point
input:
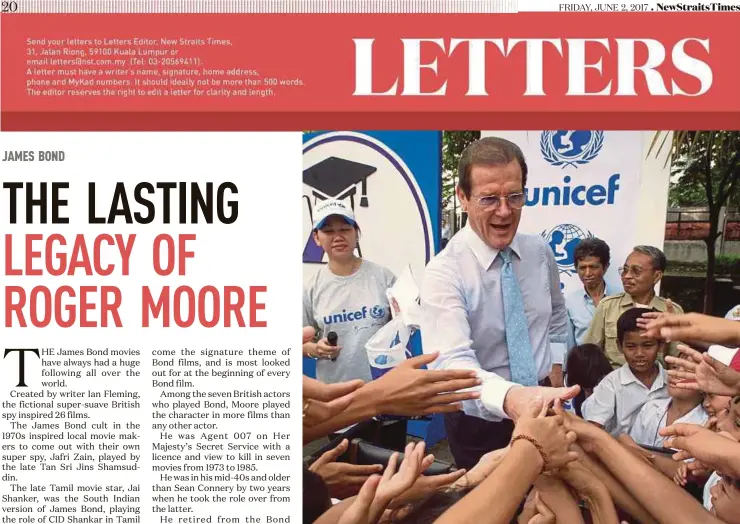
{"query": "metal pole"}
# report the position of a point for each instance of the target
(453, 229)
(723, 229)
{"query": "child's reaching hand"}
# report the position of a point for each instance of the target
(681, 475)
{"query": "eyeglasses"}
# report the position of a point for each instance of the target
(515, 201)
(635, 270)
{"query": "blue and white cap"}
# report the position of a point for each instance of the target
(331, 207)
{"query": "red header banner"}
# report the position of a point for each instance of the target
(360, 71)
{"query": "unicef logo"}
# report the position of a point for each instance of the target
(570, 148)
(377, 312)
(563, 240)
(382, 360)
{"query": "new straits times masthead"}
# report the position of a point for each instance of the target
(66, 255)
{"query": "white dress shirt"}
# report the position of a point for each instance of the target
(620, 396)
(653, 417)
(463, 313)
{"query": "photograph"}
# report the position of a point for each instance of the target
(467, 291)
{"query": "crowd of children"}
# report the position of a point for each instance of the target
(636, 401)
(655, 440)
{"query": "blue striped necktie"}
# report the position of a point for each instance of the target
(521, 356)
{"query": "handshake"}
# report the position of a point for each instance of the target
(406, 390)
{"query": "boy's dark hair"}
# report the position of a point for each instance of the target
(586, 366)
(592, 247)
(316, 498)
(627, 322)
(428, 509)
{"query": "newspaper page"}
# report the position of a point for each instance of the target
(166, 164)
(146, 380)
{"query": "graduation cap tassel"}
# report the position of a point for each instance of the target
(363, 199)
(310, 209)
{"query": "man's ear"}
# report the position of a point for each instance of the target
(463, 198)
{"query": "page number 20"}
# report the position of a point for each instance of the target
(9, 7)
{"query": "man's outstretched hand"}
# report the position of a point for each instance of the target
(519, 397)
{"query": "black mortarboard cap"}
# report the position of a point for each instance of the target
(337, 178)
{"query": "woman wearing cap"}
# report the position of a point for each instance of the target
(347, 297)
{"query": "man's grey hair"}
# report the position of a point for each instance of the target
(657, 257)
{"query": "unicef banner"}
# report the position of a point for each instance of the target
(581, 184)
(392, 181)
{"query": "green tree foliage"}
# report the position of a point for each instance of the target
(453, 144)
(707, 164)
(688, 185)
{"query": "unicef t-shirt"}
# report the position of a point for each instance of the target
(354, 307)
